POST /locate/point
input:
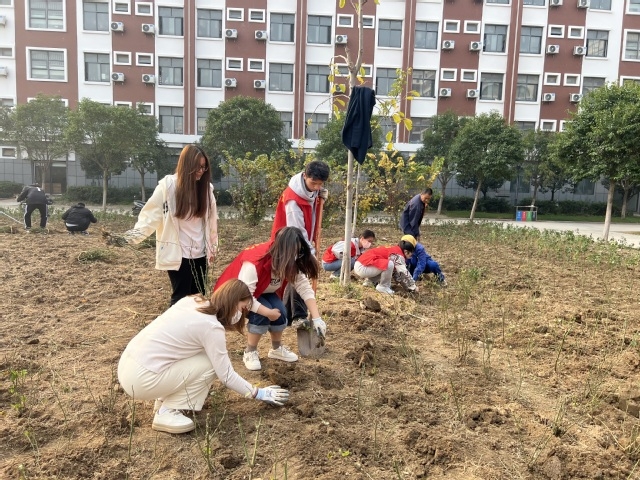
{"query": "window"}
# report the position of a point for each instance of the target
(552, 78)
(390, 33)
(531, 40)
(591, 83)
(448, 74)
(571, 80)
(556, 31)
(600, 5)
(585, 187)
(385, 77)
(146, 108)
(209, 23)
(5, 2)
(597, 42)
(369, 21)
(282, 27)
(256, 15)
(495, 38)
(144, 8)
(234, 64)
(6, 52)
(548, 125)
(171, 21)
(235, 14)
(121, 58)
(201, 119)
(314, 122)
(317, 79)
(527, 89)
(623, 81)
(427, 35)
(287, 124)
(471, 27)
(256, 65)
(319, 30)
(144, 59)
(7, 102)
(534, 3)
(420, 125)
(501, 2)
(95, 16)
(171, 119)
(122, 104)
(424, 82)
(209, 73)
(387, 125)
(47, 65)
(576, 32)
(8, 152)
(632, 46)
(170, 71)
(281, 77)
(46, 14)
(452, 26)
(634, 6)
(468, 75)
(491, 86)
(345, 21)
(121, 7)
(97, 67)
(523, 126)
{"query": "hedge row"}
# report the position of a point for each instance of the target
(545, 207)
(93, 195)
(10, 189)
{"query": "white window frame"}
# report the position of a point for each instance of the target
(563, 125)
(260, 60)
(449, 70)
(369, 17)
(629, 12)
(65, 101)
(26, 20)
(3, 99)
(149, 4)
(367, 68)
(115, 58)
(229, 10)
(548, 82)
(342, 17)
(626, 32)
(234, 59)
(253, 10)
(622, 79)
(138, 55)
(121, 2)
(472, 22)
(13, 51)
(8, 147)
(148, 104)
(551, 27)
(552, 122)
(570, 75)
(450, 22)
(475, 75)
(575, 27)
(118, 103)
(8, 6)
(28, 51)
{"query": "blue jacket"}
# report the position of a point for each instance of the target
(418, 261)
(412, 217)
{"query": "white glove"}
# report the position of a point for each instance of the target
(323, 193)
(273, 395)
(319, 326)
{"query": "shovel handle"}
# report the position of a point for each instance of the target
(316, 237)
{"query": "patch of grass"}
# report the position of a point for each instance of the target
(96, 255)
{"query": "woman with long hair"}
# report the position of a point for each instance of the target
(266, 268)
(182, 212)
(175, 358)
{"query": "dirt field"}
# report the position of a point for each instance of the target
(525, 367)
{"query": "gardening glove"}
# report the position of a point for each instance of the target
(323, 193)
(319, 326)
(273, 395)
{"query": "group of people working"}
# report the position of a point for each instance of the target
(267, 287)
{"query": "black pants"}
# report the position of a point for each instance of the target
(42, 208)
(296, 308)
(77, 228)
(189, 279)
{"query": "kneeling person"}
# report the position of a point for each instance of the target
(422, 263)
(382, 264)
(78, 218)
(332, 258)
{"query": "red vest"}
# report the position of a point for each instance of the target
(280, 219)
(379, 257)
(329, 257)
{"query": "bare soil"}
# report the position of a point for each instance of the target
(525, 367)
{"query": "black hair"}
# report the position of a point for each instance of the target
(427, 190)
(80, 204)
(317, 170)
(404, 245)
(368, 234)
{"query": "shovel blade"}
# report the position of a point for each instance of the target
(309, 343)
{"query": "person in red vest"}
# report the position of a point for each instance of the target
(332, 258)
(382, 264)
(298, 207)
(266, 268)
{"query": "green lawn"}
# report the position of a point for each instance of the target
(549, 218)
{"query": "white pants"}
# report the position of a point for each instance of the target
(381, 277)
(183, 386)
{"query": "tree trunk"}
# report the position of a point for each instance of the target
(441, 201)
(553, 194)
(625, 200)
(105, 184)
(143, 194)
(607, 217)
(475, 201)
(535, 194)
(345, 274)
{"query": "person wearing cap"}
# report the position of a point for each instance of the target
(332, 258)
(78, 218)
(35, 199)
(413, 213)
(382, 264)
(421, 262)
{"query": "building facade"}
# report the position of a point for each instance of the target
(531, 60)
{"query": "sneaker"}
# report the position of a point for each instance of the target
(156, 405)
(252, 360)
(368, 283)
(283, 353)
(172, 421)
(383, 289)
(443, 283)
(84, 233)
(335, 276)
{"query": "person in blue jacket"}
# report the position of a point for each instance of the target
(413, 212)
(422, 263)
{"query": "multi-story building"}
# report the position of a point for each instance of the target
(529, 59)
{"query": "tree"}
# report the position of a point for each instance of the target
(37, 128)
(105, 138)
(486, 148)
(330, 147)
(537, 158)
(601, 138)
(242, 125)
(628, 187)
(436, 144)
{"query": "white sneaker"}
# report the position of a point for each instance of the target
(368, 283)
(172, 421)
(283, 353)
(335, 276)
(252, 360)
(156, 405)
(383, 289)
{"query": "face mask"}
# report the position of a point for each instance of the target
(365, 244)
(236, 318)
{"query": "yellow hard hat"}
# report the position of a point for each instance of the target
(409, 238)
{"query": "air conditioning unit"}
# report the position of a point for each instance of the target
(149, 28)
(3, 20)
(4, 72)
(148, 78)
(117, 77)
(553, 49)
(583, 3)
(231, 33)
(548, 97)
(445, 92)
(575, 97)
(341, 39)
(579, 50)
(260, 84)
(117, 27)
(261, 34)
(448, 44)
(473, 93)
(555, 3)
(475, 46)
(230, 82)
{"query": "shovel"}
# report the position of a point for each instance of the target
(310, 344)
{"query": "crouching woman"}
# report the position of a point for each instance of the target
(382, 264)
(175, 358)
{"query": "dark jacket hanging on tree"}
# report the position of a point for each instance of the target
(356, 133)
